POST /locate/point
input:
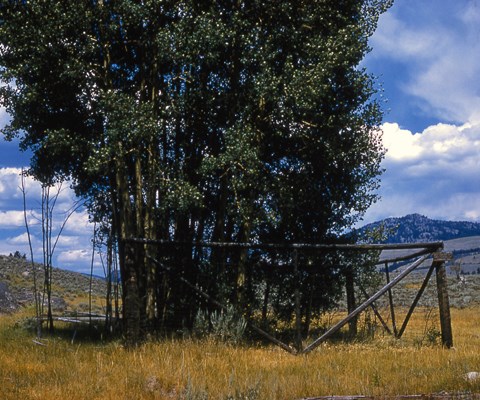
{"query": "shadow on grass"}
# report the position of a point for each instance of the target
(74, 332)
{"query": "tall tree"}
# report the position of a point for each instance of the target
(227, 121)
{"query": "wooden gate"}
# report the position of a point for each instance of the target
(417, 253)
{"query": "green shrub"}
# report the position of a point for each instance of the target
(225, 325)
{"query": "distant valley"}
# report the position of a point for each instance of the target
(462, 238)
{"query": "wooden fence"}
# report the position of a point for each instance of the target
(417, 253)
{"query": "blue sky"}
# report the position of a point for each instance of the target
(426, 55)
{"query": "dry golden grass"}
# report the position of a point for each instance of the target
(175, 369)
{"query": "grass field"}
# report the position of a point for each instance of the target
(60, 368)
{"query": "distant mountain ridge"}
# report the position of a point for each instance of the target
(414, 228)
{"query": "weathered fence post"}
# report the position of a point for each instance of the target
(390, 301)
(351, 302)
(439, 259)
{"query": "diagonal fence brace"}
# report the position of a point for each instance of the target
(363, 306)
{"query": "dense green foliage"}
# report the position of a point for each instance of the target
(184, 120)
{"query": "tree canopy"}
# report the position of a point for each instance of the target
(226, 121)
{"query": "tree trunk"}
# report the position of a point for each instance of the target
(151, 233)
(127, 256)
(132, 305)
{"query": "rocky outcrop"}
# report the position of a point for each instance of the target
(7, 302)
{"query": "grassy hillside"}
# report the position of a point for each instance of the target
(70, 289)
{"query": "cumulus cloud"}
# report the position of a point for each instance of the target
(73, 256)
(9, 183)
(401, 144)
(434, 172)
(19, 240)
(78, 223)
(10, 189)
(80, 260)
(67, 241)
(447, 142)
(11, 219)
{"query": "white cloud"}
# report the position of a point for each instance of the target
(401, 144)
(80, 260)
(439, 52)
(11, 196)
(11, 219)
(75, 255)
(79, 224)
(449, 84)
(3, 117)
(66, 241)
(10, 188)
(9, 182)
(14, 219)
(431, 55)
(396, 39)
(457, 145)
(21, 240)
(435, 173)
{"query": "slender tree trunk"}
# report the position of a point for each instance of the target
(139, 251)
(108, 300)
(47, 254)
(150, 233)
(36, 293)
